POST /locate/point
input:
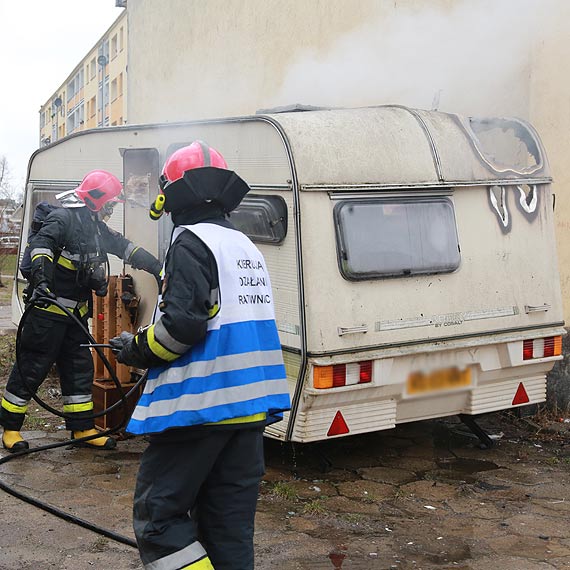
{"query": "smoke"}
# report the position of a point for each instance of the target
(467, 57)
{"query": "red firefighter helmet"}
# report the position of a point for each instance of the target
(196, 155)
(197, 176)
(97, 188)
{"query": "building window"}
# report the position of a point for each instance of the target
(113, 89)
(114, 48)
(120, 85)
(70, 90)
(75, 119)
(93, 69)
(121, 39)
(397, 237)
(75, 85)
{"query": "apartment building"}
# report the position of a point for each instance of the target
(94, 93)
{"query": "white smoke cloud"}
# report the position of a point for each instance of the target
(466, 57)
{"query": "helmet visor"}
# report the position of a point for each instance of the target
(163, 182)
(106, 210)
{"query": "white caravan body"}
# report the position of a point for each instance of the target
(412, 253)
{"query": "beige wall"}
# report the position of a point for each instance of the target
(225, 57)
(229, 57)
(550, 114)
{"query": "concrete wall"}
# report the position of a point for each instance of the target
(190, 60)
(550, 113)
(228, 57)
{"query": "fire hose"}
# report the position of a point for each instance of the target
(121, 402)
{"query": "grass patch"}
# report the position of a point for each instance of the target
(8, 264)
(284, 491)
(37, 418)
(314, 507)
(400, 494)
(352, 518)
(7, 355)
(6, 291)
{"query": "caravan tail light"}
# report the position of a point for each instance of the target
(542, 347)
(342, 374)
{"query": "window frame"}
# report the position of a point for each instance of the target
(340, 239)
(275, 207)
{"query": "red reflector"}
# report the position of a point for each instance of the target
(549, 346)
(365, 372)
(339, 375)
(100, 317)
(521, 397)
(527, 349)
(338, 426)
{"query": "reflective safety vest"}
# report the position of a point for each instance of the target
(237, 370)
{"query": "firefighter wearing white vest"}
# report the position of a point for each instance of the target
(216, 376)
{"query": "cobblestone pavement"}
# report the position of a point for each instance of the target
(421, 496)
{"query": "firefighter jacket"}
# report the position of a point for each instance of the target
(69, 255)
(217, 341)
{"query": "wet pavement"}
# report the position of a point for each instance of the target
(421, 496)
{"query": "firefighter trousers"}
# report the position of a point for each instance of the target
(196, 496)
(47, 340)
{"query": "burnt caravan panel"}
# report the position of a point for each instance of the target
(411, 253)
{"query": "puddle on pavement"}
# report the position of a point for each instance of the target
(460, 469)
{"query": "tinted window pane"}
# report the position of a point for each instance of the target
(382, 238)
(262, 218)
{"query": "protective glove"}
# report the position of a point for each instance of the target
(126, 351)
(155, 270)
(142, 259)
(102, 290)
(41, 294)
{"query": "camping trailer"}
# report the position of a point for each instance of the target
(412, 253)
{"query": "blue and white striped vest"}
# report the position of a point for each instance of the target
(237, 370)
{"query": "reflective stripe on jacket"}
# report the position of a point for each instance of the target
(237, 369)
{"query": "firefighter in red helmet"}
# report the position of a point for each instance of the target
(216, 377)
(68, 261)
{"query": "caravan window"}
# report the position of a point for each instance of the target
(261, 218)
(396, 237)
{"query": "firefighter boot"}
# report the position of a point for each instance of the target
(13, 441)
(102, 442)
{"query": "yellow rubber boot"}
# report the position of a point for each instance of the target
(97, 443)
(13, 441)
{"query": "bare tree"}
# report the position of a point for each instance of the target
(5, 184)
(8, 245)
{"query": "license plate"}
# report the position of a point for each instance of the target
(420, 383)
